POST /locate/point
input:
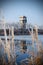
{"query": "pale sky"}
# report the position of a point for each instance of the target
(32, 9)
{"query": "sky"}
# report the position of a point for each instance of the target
(13, 9)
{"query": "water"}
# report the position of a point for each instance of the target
(17, 41)
(24, 37)
(27, 37)
(28, 40)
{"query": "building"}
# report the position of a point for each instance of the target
(23, 20)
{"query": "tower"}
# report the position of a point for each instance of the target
(23, 20)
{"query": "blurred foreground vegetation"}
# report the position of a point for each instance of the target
(36, 61)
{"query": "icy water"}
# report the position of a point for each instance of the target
(27, 37)
(28, 40)
(21, 56)
(18, 47)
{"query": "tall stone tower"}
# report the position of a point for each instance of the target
(23, 20)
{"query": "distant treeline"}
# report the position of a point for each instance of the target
(20, 32)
